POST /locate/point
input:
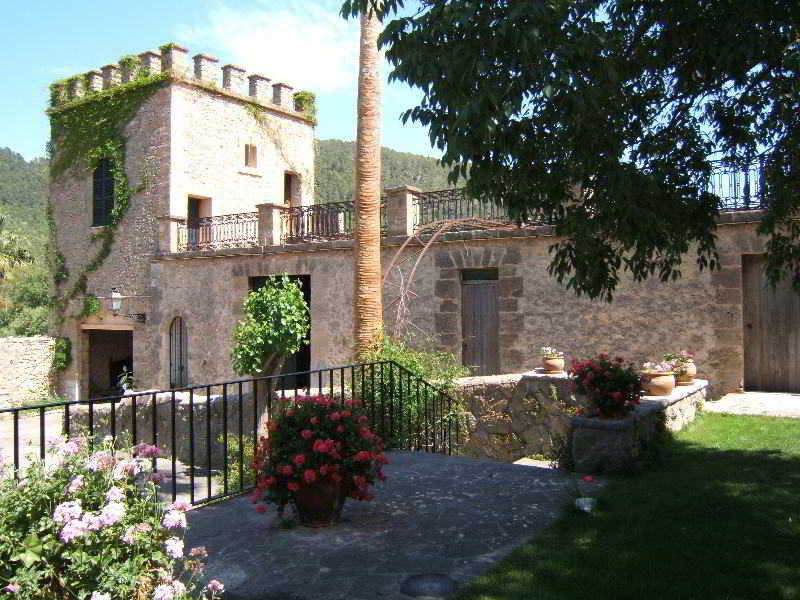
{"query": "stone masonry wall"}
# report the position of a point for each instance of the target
(700, 312)
(210, 132)
(25, 369)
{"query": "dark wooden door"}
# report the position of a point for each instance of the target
(178, 351)
(771, 330)
(479, 322)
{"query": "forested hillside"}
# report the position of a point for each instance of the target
(334, 171)
(23, 195)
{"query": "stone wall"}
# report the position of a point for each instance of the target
(701, 312)
(25, 370)
(619, 445)
(513, 416)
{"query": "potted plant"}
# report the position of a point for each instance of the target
(317, 454)
(658, 379)
(684, 366)
(612, 387)
(552, 360)
(125, 380)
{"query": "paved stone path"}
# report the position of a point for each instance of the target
(434, 515)
(757, 403)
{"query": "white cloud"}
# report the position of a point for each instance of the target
(303, 44)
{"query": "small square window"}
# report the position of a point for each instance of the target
(250, 156)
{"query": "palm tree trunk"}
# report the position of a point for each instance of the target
(368, 292)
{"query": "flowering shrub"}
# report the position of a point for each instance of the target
(311, 439)
(612, 387)
(658, 367)
(548, 352)
(87, 524)
(679, 360)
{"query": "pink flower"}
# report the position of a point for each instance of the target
(261, 509)
(165, 591)
(180, 505)
(92, 522)
(146, 451)
(293, 487)
(12, 588)
(76, 484)
(335, 476)
(289, 412)
(174, 547)
(174, 519)
(310, 475)
(112, 513)
(314, 420)
(362, 456)
(198, 552)
(285, 469)
(334, 416)
(215, 586)
(346, 413)
(588, 478)
(157, 478)
(67, 511)
(299, 460)
(324, 470)
(100, 461)
(126, 468)
(307, 434)
(363, 419)
(72, 530)
(114, 494)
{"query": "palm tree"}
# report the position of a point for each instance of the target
(368, 292)
(11, 253)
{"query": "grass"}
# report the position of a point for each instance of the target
(718, 518)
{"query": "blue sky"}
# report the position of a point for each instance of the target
(302, 42)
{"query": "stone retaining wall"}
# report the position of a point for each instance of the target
(512, 416)
(617, 445)
(25, 369)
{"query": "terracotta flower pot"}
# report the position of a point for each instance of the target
(553, 365)
(686, 377)
(658, 384)
(319, 504)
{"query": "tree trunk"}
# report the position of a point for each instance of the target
(272, 366)
(368, 292)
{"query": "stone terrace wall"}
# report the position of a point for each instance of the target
(512, 416)
(25, 365)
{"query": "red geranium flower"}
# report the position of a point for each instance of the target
(310, 475)
(307, 434)
(299, 460)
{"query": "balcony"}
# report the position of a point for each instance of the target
(405, 211)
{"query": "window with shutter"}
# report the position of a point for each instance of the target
(250, 155)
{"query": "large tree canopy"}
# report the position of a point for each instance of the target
(604, 117)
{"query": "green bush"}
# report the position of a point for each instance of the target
(248, 478)
(87, 525)
(419, 401)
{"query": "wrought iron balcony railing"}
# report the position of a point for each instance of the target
(220, 232)
(739, 188)
(321, 222)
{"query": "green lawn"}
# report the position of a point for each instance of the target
(717, 518)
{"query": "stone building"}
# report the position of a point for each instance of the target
(228, 199)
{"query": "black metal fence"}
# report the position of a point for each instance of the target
(219, 232)
(739, 188)
(321, 222)
(208, 433)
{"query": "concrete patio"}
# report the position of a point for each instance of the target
(445, 517)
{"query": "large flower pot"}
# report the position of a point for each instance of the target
(658, 384)
(686, 376)
(319, 504)
(553, 365)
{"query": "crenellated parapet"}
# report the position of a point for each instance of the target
(171, 61)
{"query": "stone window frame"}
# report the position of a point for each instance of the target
(251, 156)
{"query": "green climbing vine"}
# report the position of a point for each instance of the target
(62, 353)
(84, 131)
(306, 103)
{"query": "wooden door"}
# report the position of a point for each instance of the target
(771, 330)
(178, 352)
(479, 322)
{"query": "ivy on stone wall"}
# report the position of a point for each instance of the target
(84, 131)
(306, 103)
(62, 353)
